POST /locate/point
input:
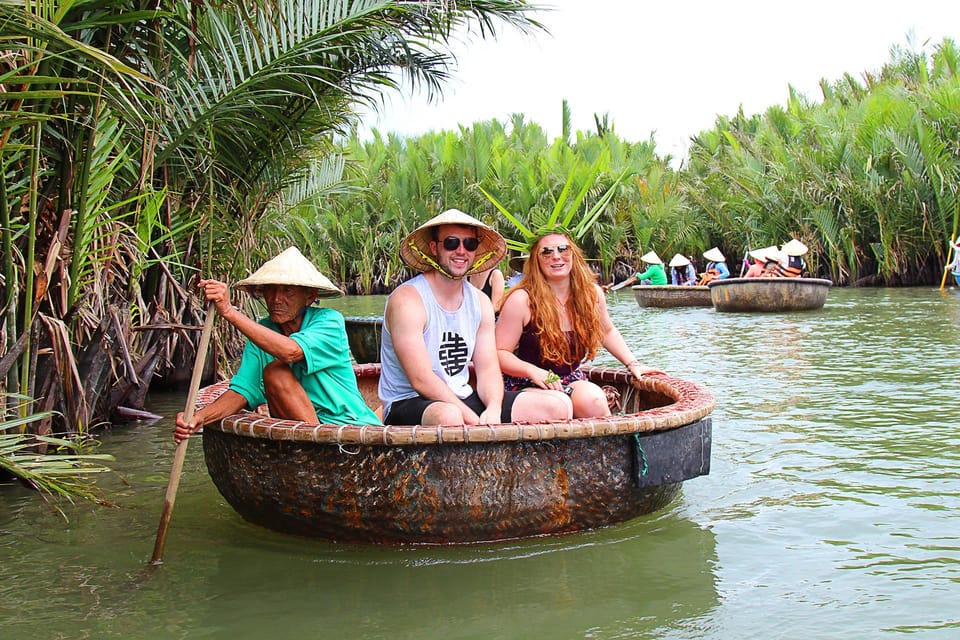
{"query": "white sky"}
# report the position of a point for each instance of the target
(668, 67)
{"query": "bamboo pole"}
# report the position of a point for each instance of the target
(181, 452)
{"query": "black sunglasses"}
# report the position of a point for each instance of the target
(562, 249)
(452, 243)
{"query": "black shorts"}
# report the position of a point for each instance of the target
(410, 411)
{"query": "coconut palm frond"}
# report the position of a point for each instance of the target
(565, 211)
(598, 208)
(525, 232)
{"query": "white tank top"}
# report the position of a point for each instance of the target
(450, 337)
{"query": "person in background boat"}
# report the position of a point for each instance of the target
(771, 265)
(296, 360)
(654, 274)
(954, 265)
(792, 253)
(682, 273)
(516, 267)
(437, 323)
(490, 283)
(756, 268)
(716, 268)
(552, 321)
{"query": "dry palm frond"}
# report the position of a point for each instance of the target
(62, 474)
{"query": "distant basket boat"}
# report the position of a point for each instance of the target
(363, 336)
(459, 484)
(665, 296)
(769, 294)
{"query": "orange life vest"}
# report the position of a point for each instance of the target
(707, 276)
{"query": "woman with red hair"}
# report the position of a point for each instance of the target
(553, 320)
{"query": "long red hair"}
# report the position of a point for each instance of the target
(582, 309)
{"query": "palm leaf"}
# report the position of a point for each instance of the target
(64, 473)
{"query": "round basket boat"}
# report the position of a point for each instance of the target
(462, 484)
(668, 295)
(363, 336)
(769, 294)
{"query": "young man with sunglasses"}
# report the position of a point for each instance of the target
(436, 324)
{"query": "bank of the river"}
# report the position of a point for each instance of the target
(829, 513)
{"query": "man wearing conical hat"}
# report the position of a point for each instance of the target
(716, 266)
(792, 257)
(296, 360)
(654, 273)
(437, 323)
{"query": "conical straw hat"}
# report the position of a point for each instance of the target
(759, 254)
(651, 257)
(773, 253)
(517, 262)
(415, 248)
(290, 268)
(794, 248)
(714, 255)
(679, 260)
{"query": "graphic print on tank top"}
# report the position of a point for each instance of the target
(452, 353)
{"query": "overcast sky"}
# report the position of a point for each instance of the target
(668, 67)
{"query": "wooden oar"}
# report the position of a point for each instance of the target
(617, 287)
(181, 451)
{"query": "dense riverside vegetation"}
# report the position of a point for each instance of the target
(867, 178)
(145, 142)
(402, 182)
(141, 146)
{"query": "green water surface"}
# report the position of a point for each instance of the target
(830, 512)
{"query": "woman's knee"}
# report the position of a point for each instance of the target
(589, 401)
(539, 405)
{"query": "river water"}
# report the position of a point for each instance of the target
(831, 511)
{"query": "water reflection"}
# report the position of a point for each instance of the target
(617, 579)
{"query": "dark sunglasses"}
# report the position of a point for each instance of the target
(452, 243)
(562, 249)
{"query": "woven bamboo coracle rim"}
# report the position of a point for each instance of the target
(769, 280)
(671, 287)
(691, 403)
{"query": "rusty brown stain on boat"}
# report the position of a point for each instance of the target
(562, 511)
